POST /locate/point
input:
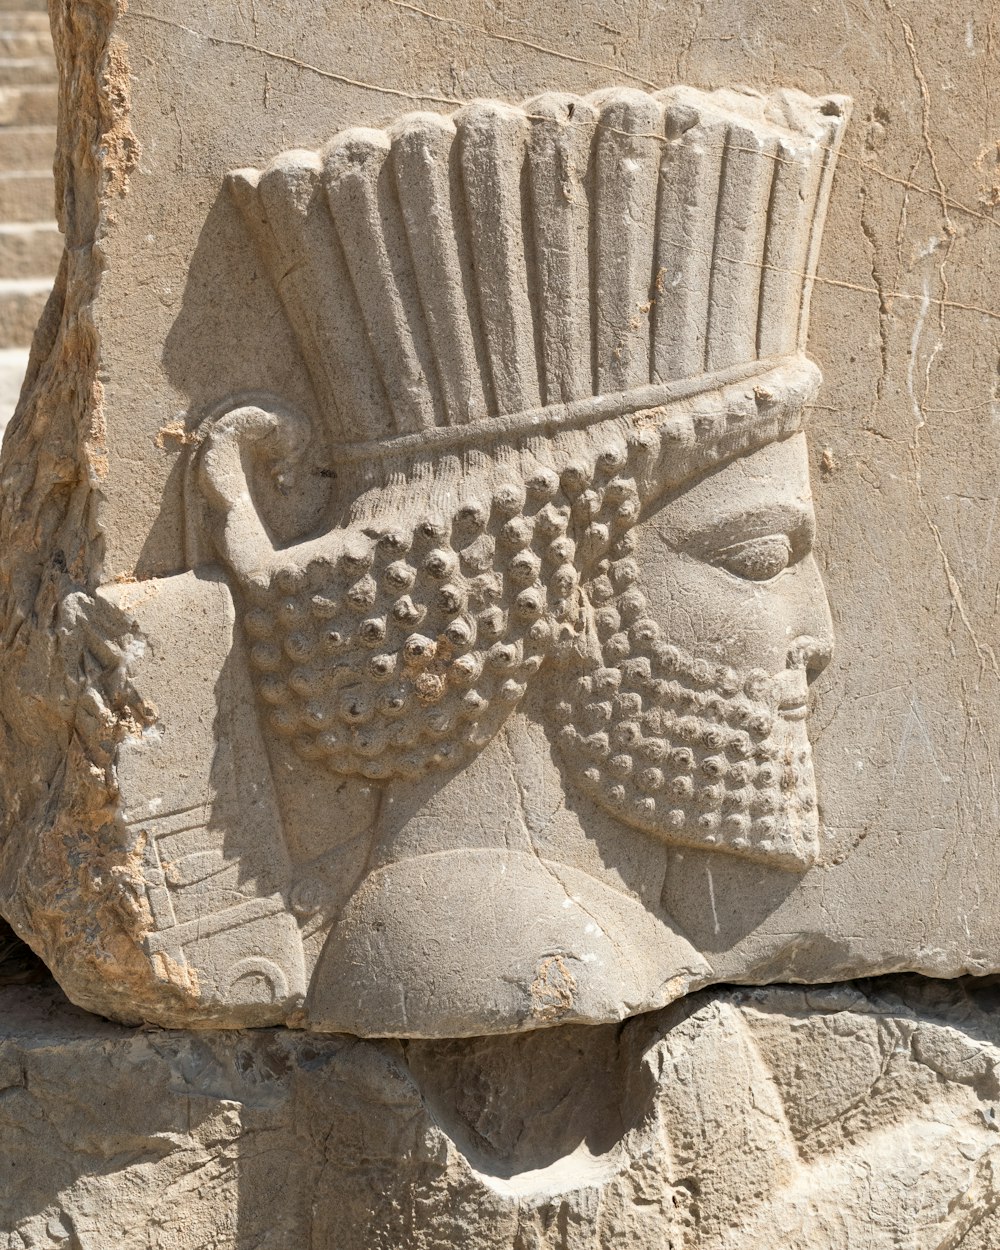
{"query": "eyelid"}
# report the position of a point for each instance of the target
(799, 534)
(797, 524)
(749, 542)
(781, 548)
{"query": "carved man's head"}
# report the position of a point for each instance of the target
(559, 352)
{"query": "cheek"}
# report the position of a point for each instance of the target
(707, 611)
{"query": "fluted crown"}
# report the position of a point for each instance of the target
(458, 276)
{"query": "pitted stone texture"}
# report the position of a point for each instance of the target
(834, 1119)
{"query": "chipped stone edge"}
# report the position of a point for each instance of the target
(70, 879)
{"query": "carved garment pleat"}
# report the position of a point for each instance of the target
(319, 298)
(738, 256)
(827, 157)
(422, 154)
(363, 203)
(797, 172)
(685, 233)
(493, 140)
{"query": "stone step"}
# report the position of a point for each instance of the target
(27, 71)
(27, 196)
(21, 304)
(27, 148)
(22, 21)
(23, 43)
(13, 364)
(29, 106)
(30, 249)
(26, 9)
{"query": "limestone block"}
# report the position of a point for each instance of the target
(25, 39)
(833, 1119)
(25, 195)
(21, 41)
(16, 70)
(453, 448)
(27, 147)
(30, 244)
(13, 362)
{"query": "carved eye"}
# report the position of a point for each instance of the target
(757, 559)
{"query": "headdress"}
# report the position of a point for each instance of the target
(504, 271)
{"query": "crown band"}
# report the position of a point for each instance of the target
(572, 416)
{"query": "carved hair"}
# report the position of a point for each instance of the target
(403, 636)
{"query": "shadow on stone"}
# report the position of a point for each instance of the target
(527, 1111)
(19, 965)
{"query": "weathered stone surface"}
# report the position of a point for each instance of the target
(414, 630)
(828, 1119)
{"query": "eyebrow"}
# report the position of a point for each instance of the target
(745, 523)
(783, 515)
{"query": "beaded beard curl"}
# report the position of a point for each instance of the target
(401, 640)
(680, 746)
(387, 650)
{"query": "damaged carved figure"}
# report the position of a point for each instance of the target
(565, 425)
(499, 587)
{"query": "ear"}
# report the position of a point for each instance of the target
(239, 446)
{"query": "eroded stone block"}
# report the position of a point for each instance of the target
(836, 1118)
(410, 604)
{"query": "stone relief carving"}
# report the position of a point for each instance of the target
(562, 612)
(502, 423)
(409, 627)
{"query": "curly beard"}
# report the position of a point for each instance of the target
(685, 748)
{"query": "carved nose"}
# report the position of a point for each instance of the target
(812, 654)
